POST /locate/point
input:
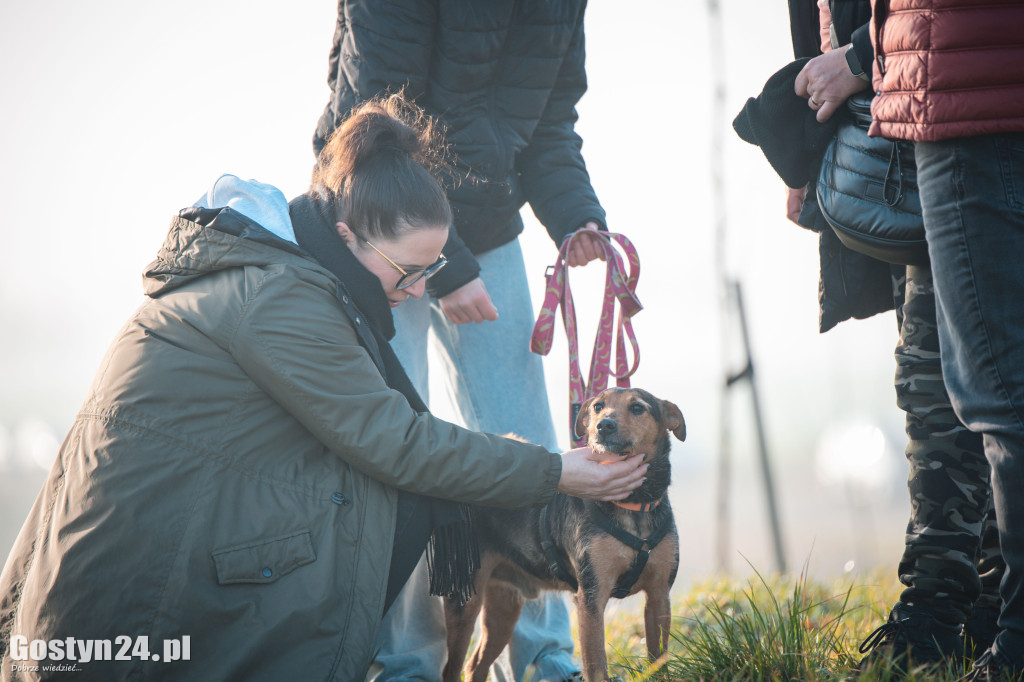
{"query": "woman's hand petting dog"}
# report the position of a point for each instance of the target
(589, 474)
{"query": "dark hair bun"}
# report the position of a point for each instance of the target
(386, 135)
(382, 166)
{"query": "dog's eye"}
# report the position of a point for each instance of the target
(598, 407)
(636, 408)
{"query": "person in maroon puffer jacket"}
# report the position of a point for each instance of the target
(950, 77)
(951, 565)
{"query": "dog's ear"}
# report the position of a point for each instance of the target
(582, 419)
(672, 419)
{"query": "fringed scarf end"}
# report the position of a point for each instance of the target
(453, 558)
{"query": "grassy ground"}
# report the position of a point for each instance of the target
(762, 629)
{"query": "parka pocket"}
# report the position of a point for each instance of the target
(264, 560)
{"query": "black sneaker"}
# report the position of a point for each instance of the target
(980, 630)
(909, 640)
(992, 667)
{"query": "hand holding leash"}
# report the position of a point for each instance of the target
(588, 474)
(620, 286)
(587, 247)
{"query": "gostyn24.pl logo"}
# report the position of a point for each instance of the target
(72, 650)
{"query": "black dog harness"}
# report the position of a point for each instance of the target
(642, 547)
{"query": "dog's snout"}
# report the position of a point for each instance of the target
(607, 427)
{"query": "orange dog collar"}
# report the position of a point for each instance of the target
(638, 506)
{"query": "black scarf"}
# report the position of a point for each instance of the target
(452, 555)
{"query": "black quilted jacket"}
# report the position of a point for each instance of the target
(851, 285)
(504, 77)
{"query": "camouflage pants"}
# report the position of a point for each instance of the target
(951, 560)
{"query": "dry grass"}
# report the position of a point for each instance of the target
(762, 628)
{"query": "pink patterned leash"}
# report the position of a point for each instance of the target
(619, 287)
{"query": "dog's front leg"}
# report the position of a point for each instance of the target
(590, 605)
(657, 621)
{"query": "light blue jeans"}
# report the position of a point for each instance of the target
(497, 386)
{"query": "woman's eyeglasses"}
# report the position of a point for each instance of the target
(410, 277)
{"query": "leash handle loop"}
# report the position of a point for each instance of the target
(621, 276)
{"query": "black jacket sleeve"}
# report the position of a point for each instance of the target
(803, 26)
(862, 46)
(553, 174)
(462, 268)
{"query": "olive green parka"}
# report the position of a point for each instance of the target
(231, 476)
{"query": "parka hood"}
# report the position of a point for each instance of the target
(205, 240)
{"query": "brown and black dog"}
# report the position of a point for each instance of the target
(596, 549)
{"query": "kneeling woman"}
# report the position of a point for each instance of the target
(251, 468)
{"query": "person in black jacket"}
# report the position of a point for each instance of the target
(504, 79)
(951, 565)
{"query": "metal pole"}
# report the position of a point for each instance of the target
(730, 294)
(717, 163)
(769, 487)
(723, 539)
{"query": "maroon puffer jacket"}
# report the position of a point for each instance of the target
(947, 68)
